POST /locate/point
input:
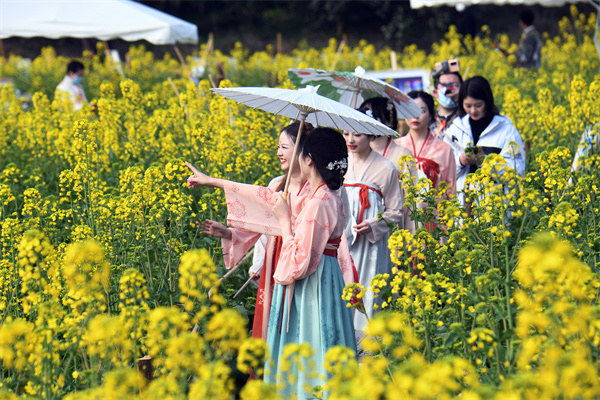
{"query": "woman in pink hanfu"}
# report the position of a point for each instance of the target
(236, 241)
(372, 186)
(307, 306)
(434, 158)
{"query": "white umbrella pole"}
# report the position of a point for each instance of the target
(294, 155)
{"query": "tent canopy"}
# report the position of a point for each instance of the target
(101, 19)
(435, 3)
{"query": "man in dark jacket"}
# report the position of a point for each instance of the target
(530, 47)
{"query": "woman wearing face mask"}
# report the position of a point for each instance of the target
(372, 186)
(481, 130)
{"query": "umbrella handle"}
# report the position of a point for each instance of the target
(294, 155)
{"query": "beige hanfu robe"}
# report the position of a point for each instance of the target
(374, 189)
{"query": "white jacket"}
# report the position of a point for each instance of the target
(75, 91)
(494, 139)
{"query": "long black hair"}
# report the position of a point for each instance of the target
(327, 148)
(427, 99)
(477, 88)
(382, 110)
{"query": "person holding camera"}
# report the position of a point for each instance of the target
(446, 81)
(480, 131)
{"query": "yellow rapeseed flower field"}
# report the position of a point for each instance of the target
(102, 262)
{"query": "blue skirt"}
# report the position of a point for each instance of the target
(319, 317)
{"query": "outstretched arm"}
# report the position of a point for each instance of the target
(213, 228)
(201, 179)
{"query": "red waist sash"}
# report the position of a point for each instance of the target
(332, 252)
(430, 168)
(363, 197)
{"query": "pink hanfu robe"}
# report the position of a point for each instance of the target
(250, 214)
(373, 190)
(435, 160)
(307, 302)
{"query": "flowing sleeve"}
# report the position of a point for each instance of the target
(393, 199)
(302, 252)
(345, 260)
(234, 249)
(246, 204)
(344, 257)
(249, 207)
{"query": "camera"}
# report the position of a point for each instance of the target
(445, 67)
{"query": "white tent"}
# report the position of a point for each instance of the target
(101, 19)
(434, 3)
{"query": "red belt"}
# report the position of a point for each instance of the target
(363, 197)
(332, 252)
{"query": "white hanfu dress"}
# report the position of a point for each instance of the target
(373, 190)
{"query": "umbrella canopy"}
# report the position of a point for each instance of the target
(306, 104)
(352, 89)
(102, 19)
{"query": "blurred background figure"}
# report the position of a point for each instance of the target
(71, 84)
(529, 54)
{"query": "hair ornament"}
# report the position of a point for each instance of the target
(389, 106)
(340, 165)
(369, 113)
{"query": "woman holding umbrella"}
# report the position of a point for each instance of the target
(307, 305)
(236, 242)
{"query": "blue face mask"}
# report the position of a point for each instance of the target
(77, 80)
(445, 100)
